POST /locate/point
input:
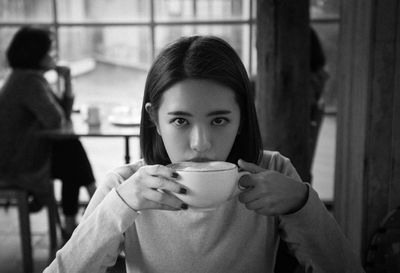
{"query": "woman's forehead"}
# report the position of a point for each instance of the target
(195, 94)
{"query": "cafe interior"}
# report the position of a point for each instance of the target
(109, 47)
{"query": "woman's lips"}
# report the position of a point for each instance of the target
(200, 159)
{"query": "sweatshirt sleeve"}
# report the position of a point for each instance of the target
(316, 240)
(311, 233)
(95, 244)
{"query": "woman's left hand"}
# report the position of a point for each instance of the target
(63, 71)
(270, 192)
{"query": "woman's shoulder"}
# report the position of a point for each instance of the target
(27, 79)
(28, 74)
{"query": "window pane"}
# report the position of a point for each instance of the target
(236, 35)
(172, 10)
(25, 10)
(324, 9)
(254, 9)
(109, 64)
(328, 35)
(6, 34)
(254, 52)
(103, 10)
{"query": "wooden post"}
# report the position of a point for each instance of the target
(367, 177)
(282, 94)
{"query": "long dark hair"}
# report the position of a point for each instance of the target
(200, 57)
(28, 48)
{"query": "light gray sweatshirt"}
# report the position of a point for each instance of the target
(229, 238)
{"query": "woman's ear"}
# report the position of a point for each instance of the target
(152, 115)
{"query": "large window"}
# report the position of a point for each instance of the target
(111, 44)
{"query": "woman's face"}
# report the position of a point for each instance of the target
(198, 120)
(48, 62)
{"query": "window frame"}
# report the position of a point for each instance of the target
(152, 23)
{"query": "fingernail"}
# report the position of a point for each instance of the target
(182, 191)
(175, 175)
(184, 206)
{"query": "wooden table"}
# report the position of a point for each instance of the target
(77, 127)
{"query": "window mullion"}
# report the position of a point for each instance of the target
(250, 36)
(152, 30)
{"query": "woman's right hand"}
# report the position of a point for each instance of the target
(63, 71)
(149, 188)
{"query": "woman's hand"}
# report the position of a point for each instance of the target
(149, 188)
(269, 192)
(63, 71)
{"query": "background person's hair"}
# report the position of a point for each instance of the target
(200, 57)
(28, 47)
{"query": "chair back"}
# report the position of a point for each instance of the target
(383, 253)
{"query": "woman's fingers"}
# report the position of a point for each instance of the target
(264, 205)
(157, 182)
(246, 182)
(272, 193)
(151, 187)
(126, 171)
(249, 195)
(162, 177)
(254, 180)
(250, 167)
(163, 200)
(160, 170)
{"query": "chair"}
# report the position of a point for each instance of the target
(20, 196)
(383, 252)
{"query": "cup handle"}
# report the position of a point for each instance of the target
(239, 189)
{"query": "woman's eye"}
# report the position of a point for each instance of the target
(179, 122)
(219, 121)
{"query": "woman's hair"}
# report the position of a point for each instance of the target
(207, 58)
(28, 47)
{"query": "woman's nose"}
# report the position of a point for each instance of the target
(200, 139)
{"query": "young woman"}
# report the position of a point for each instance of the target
(197, 107)
(28, 105)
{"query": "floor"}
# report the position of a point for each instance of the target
(111, 154)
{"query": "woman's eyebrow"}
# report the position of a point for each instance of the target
(179, 113)
(213, 113)
(219, 112)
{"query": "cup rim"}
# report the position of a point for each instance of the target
(205, 170)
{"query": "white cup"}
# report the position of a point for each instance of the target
(208, 184)
(93, 116)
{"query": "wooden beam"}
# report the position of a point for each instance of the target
(366, 169)
(282, 94)
(395, 180)
(381, 115)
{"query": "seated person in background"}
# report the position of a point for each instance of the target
(197, 106)
(28, 105)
